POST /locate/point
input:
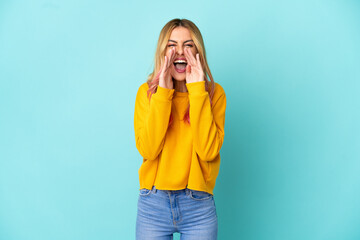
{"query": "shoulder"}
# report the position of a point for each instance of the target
(219, 88)
(219, 91)
(141, 95)
(219, 98)
(143, 87)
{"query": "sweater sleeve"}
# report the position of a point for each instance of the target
(207, 122)
(151, 119)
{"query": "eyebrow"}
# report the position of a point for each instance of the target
(184, 42)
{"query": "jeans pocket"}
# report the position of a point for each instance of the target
(199, 195)
(144, 192)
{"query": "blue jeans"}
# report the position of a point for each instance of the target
(189, 212)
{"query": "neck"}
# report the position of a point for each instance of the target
(180, 86)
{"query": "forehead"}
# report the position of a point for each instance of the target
(180, 34)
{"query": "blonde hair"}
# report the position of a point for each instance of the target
(153, 80)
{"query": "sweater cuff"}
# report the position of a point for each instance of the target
(196, 87)
(164, 93)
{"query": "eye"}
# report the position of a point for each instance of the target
(171, 45)
(189, 45)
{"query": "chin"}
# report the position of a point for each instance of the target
(180, 79)
(178, 76)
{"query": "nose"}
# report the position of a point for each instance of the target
(179, 50)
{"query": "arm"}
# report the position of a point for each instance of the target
(207, 122)
(151, 120)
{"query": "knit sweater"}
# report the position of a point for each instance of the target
(179, 155)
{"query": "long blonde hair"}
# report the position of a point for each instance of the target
(153, 80)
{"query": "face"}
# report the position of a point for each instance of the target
(180, 39)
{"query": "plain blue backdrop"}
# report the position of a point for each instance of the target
(69, 73)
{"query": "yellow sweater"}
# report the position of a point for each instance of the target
(180, 155)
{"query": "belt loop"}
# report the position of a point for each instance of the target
(154, 189)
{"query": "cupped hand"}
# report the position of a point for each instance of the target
(194, 71)
(165, 78)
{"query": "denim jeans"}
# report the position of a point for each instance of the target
(160, 213)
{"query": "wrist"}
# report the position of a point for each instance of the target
(166, 84)
(164, 93)
(196, 87)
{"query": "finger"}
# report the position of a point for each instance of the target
(186, 56)
(191, 57)
(163, 64)
(167, 64)
(170, 59)
(188, 70)
(163, 67)
(188, 59)
(172, 56)
(198, 59)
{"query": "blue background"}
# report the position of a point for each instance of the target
(69, 73)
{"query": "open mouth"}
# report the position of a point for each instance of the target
(180, 65)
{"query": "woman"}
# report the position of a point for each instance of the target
(179, 130)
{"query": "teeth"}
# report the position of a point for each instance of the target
(180, 61)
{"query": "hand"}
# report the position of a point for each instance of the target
(165, 78)
(194, 71)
